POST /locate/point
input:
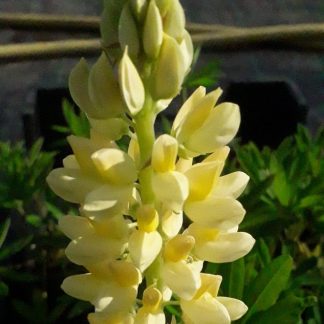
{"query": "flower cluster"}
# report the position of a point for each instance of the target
(131, 235)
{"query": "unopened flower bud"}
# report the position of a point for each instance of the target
(152, 298)
(131, 84)
(175, 21)
(153, 31)
(169, 71)
(127, 32)
(178, 248)
(139, 8)
(163, 5)
(147, 218)
(104, 91)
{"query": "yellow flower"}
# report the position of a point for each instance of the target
(212, 199)
(101, 179)
(112, 292)
(152, 311)
(217, 246)
(96, 91)
(200, 127)
(92, 242)
(179, 272)
(145, 243)
(207, 308)
(169, 186)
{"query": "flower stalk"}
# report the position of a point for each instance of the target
(130, 231)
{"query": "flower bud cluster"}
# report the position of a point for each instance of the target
(131, 228)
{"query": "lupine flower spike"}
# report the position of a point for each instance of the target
(131, 236)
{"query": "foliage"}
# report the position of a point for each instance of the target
(285, 214)
(32, 264)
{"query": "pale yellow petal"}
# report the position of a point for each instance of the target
(93, 249)
(75, 226)
(171, 188)
(71, 184)
(197, 118)
(187, 108)
(164, 155)
(164, 6)
(131, 84)
(169, 70)
(187, 51)
(226, 247)
(202, 177)
(107, 200)
(139, 8)
(112, 128)
(84, 286)
(205, 310)
(104, 91)
(70, 162)
(210, 284)
(218, 130)
(144, 248)
(111, 318)
(222, 213)
(127, 31)
(78, 85)
(220, 154)
(235, 307)
(231, 185)
(183, 165)
(171, 223)
(115, 166)
(174, 23)
(144, 317)
(153, 31)
(83, 148)
(182, 278)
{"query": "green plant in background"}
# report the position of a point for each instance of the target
(286, 208)
(31, 258)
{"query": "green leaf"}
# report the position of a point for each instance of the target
(287, 310)
(237, 279)
(4, 289)
(34, 220)
(4, 228)
(268, 285)
(14, 247)
(264, 253)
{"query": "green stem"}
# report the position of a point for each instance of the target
(144, 127)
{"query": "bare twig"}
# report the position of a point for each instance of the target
(46, 50)
(42, 22)
(301, 37)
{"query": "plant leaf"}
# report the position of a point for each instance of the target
(4, 228)
(268, 285)
(286, 310)
(237, 279)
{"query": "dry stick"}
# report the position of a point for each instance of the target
(308, 36)
(52, 49)
(42, 22)
(69, 23)
(260, 35)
